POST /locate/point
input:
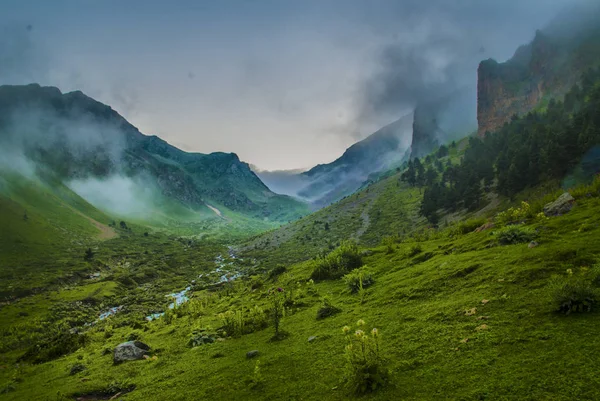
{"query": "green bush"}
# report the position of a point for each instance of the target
(337, 263)
(58, 340)
(467, 226)
(515, 235)
(327, 309)
(414, 250)
(358, 279)
(576, 292)
(276, 271)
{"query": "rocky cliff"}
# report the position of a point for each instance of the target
(544, 69)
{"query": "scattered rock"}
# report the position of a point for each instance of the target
(532, 244)
(312, 338)
(464, 341)
(482, 327)
(485, 301)
(483, 317)
(252, 354)
(130, 351)
(471, 312)
(484, 227)
(560, 206)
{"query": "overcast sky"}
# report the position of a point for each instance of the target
(284, 84)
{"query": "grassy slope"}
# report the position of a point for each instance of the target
(383, 208)
(527, 351)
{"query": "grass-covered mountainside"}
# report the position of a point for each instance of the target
(470, 273)
(83, 141)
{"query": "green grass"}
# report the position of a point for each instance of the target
(526, 350)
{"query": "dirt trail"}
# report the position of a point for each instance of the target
(214, 209)
(106, 232)
(366, 220)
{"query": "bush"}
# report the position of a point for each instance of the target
(358, 279)
(233, 323)
(467, 226)
(515, 235)
(277, 309)
(576, 293)
(327, 309)
(583, 191)
(365, 370)
(414, 250)
(58, 340)
(276, 271)
(337, 263)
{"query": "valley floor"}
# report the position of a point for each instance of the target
(459, 315)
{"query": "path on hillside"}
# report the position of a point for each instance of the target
(217, 211)
(366, 220)
(106, 232)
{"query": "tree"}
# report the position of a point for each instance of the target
(89, 254)
(123, 225)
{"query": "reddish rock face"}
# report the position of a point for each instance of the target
(546, 68)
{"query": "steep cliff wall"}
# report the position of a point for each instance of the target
(546, 68)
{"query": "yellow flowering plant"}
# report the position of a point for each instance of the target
(365, 370)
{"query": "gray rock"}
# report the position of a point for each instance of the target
(533, 244)
(130, 351)
(562, 205)
(252, 354)
(312, 338)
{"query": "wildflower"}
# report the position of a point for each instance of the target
(374, 332)
(360, 323)
(346, 329)
(279, 289)
(569, 271)
(359, 333)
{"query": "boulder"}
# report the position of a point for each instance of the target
(252, 354)
(312, 338)
(560, 206)
(130, 351)
(533, 244)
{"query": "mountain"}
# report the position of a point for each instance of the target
(327, 183)
(90, 147)
(544, 69)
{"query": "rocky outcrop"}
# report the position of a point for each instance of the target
(546, 68)
(425, 130)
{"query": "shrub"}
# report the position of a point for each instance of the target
(277, 308)
(365, 370)
(467, 226)
(576, 292)
(389, 243)
(337, 263)
(584, 191)
(358, 279)
(520, 214)
(57, 340)
(414, 250)
(76, 368)
(327, 309)
(515, 235)
(233, 323)
(276, 271)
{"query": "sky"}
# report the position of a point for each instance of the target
(284, 84)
